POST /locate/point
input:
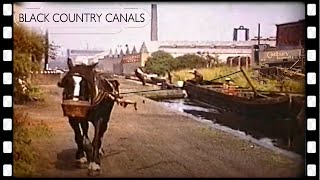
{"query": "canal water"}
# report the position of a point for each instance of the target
(274, 132)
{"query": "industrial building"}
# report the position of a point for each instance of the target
(290, 43)
(82, 56)
(123, 60)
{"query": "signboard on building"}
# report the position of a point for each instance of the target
(279, 55)
(132, 58)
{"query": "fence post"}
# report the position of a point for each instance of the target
(247, 63)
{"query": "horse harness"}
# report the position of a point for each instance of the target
(101, 90)
(105, 94)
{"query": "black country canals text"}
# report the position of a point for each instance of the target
(82, 17)
(74, 18)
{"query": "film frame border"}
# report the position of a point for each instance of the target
(312, 89)
(6, 89)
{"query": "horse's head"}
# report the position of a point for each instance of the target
(79, 82)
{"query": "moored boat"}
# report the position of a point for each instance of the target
(242, 101)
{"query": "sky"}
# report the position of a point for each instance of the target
(183, 21)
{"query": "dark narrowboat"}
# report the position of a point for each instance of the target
(243, 101)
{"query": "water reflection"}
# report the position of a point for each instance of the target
(267, 130)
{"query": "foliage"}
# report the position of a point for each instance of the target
(32, 93)
(53, 48)
(25, 155)
(28, 42)
(239, 79)
(159, 63)
(190, 61)
(211, 61)
(35, 94)
(28, 54)
(50, 48)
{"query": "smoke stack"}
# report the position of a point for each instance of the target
(154, 23)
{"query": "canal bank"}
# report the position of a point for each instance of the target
(155, 141)
(280, 135)
(272, 134)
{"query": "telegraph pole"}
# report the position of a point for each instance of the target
(256, 48)
(259, 34)
(47, 48)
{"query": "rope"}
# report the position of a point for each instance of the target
(286, 92)
(144, 91)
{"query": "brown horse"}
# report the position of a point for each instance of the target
(82, 82)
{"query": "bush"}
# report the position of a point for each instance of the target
(33, 93)
(28, 53)
(25, 155)
(159, 63)
(189, 61)
(162, 62)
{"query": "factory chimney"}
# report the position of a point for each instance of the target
(154, 23)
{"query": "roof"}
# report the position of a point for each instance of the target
(152, 46)
(121, 52)
(83, 52)
(290, 23)
(143, 48)
(134, 51)
(212, 44)
(128, 51)
(110, 53)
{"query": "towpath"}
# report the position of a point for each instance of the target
(155, 142)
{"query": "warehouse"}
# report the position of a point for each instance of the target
(290, 42)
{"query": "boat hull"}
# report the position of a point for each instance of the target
(277, 106)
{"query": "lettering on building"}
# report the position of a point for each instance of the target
(133, 58)
(280, 55)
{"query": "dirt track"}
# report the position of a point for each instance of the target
(156, 142)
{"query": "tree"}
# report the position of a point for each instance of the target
(53, 49)
(28, 54)
(190, 61)
(159, 63)
(50, 49)
(212, 60)
(28, 51)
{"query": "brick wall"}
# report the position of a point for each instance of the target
(291, 34)
(131, 63)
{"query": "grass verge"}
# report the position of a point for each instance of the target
(25, 154)
(239, 79)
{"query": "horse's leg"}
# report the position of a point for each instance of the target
(100, 128)
(104, 126)
(80, 156)
(103, 129)
(87, 147)
(94, 165)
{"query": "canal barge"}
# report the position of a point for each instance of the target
(241, 101)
